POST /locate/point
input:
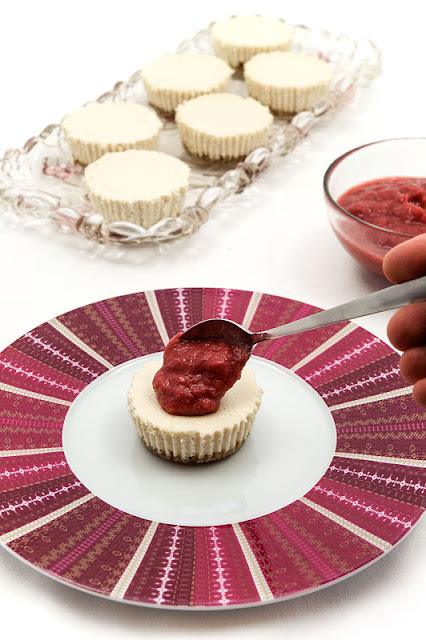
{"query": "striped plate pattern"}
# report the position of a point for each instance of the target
(370, 497)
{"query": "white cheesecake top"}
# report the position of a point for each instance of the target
(252, 31)
(224, 114)
(287, 69)
(136, 175)
(236, 405)
(112, 122)
(187, 72)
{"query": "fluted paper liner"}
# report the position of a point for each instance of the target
(144, 213)
(237, 55)
(286, 99)
(193, 447)
(87, 152)
(168, 99)
(204, 145)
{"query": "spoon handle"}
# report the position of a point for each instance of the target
(390, 298)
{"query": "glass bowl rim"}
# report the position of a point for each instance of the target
(340, 159)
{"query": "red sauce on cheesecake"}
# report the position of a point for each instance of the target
(398, 204)
(196, 375)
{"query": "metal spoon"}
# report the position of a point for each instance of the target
(389, 298)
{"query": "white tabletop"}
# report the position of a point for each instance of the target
(273, 238)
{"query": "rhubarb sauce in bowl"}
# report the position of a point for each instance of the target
(376, 197)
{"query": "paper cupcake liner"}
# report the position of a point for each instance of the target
(168, 99)
(204, 145)
(140, 212)
(193, 447)
(87, 152)
(286, 99)
(237, 55)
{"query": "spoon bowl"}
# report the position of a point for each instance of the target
(219, 329)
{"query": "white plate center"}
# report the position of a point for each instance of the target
(290, 447)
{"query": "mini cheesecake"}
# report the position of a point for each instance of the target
(175, 78)
(99, 128)
(239, 38)
(286, 81)
(193, 439)
(223, 126)
(137, 186)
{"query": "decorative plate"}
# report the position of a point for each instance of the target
(330, 479)
(41, 181)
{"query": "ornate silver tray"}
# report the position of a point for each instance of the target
(41, 181)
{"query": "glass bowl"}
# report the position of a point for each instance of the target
(401, 157)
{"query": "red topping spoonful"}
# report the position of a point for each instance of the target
(196, 375)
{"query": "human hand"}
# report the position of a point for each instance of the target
(407, 328)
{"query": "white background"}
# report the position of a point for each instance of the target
(274, 238)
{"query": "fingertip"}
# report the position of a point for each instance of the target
(412, 364)
(406, 261)
(405, 368)
(419, 393)
(407, 327)
(390, 266)
(395, 330)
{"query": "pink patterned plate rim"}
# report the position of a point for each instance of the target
(368, 499)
